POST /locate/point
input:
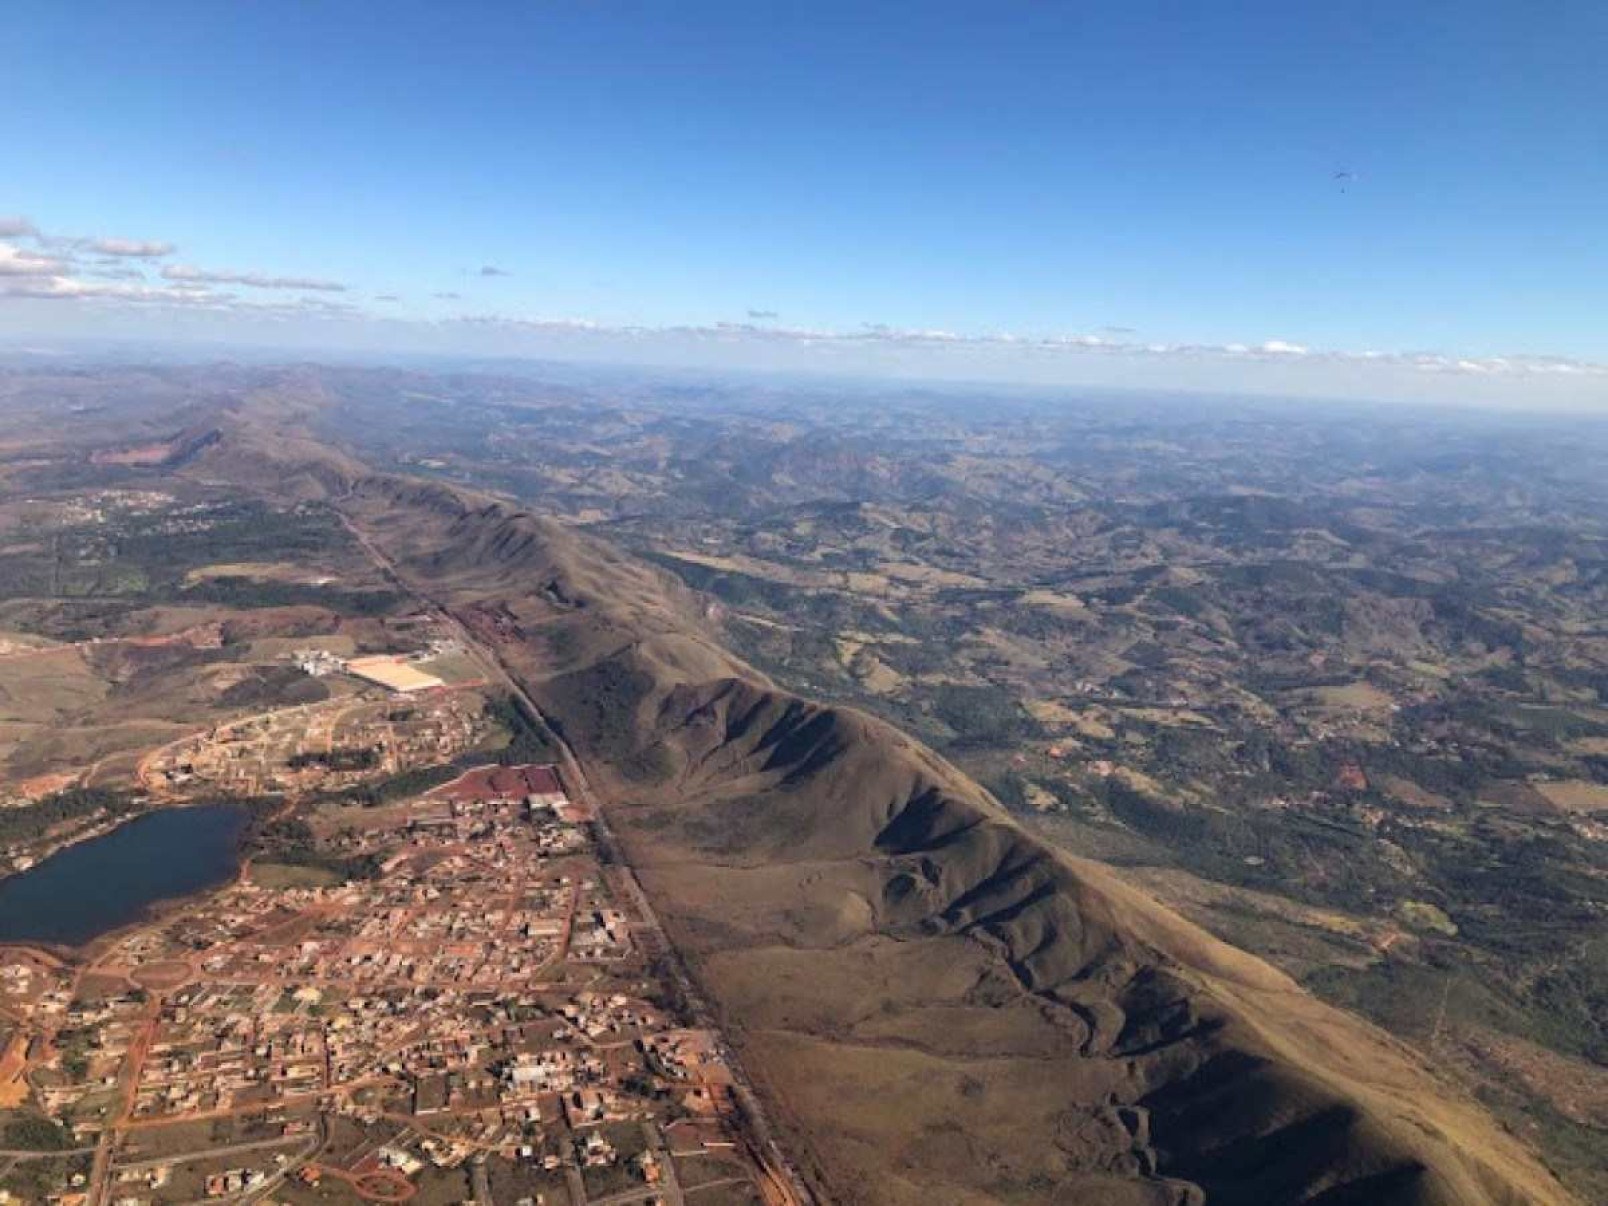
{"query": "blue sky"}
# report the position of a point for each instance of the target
(1132, 193)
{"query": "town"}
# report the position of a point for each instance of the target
(485, 1017)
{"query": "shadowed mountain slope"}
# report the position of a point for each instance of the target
(940, 1007)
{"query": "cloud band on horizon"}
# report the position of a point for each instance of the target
(49, 271)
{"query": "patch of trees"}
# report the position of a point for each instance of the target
(983, 716)
(1186, 601)
(1458, 779)
(1506, 678)
(1504, 729)
(20, 824)
(1279, 575)
(362, 866)
(1589, 678)
(738, 589)
(1147, 655)
(245, 593)
(1010, 789)
(361, 759)
(1573, 996)
(526, 740)
(402, 785)
(293, 843)
(275, 685)
(234, 531)
(72, 620)
(35, 1180)
(1463, 623)
(1190, 752)
(598, 708)
(1035, 623)
(826, 609)
(35, 1133)
(665, 991)
(1310, 858)
(1118, 593)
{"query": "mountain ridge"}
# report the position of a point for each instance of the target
(1183, 1069)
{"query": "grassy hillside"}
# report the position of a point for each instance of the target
(942, 1007)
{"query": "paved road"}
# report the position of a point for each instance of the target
(785, 1180)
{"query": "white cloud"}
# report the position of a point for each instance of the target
(53, 271)
(884, 335)
(136, 248)
(14, 261)
(252, 280)
(186, 296)
(558, 325)
(71, 288)
(46, 266)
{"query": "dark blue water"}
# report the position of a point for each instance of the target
(110, 881)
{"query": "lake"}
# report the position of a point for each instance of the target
(110, 881)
